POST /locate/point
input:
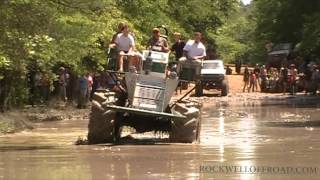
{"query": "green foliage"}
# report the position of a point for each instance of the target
(233, 38)
(311, 34)
(6, 127)
(44, 34)
(40, 35)
(292, 21)
(5, 65)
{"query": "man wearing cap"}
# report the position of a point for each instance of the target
(157, 43)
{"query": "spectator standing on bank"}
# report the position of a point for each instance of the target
(63, 82)
(292, 78)
(71, 84)
(315, 79)
(45, 88)
(83, 91)
(263, 76)
(246, 78)
(257, 72)
(228, 70)
(284, 79)
(253, 82)
(38, 87)
(238, 66)
(274, 77)
(90, 83)
(95, 84)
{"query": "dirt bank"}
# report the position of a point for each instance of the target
(13, 122)
(27, 117)
(237, 98)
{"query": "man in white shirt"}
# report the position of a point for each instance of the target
(125, 44)
(194, 49)
(194, 53)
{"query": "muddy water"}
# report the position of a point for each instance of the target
(271, 136)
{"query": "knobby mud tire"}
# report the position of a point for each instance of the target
(186, 130)
(199, 89)
(225, 88)
(101, 122)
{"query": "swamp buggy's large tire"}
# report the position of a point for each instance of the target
(186, 130)
(199, 89)
(225, 88)
(101, 123)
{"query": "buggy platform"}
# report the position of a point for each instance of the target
(143, 112)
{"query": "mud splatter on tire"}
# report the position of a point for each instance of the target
(101, 123)
(186, 130)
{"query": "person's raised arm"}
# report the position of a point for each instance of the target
(149, 45)
(165, 47)
(114, 41)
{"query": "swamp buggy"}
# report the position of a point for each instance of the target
(142, 100)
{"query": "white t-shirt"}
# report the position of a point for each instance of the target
(124, 42)
(195, 49)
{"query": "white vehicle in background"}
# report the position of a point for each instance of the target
(212, 76)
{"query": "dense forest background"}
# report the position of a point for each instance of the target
(42, 35)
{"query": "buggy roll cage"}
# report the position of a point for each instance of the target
(166, 32)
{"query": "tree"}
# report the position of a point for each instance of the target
(293, 21)
(234, 37)
(41, 35)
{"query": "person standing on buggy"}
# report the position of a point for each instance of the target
(177, 48)
(194, 52)
(157, 43)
